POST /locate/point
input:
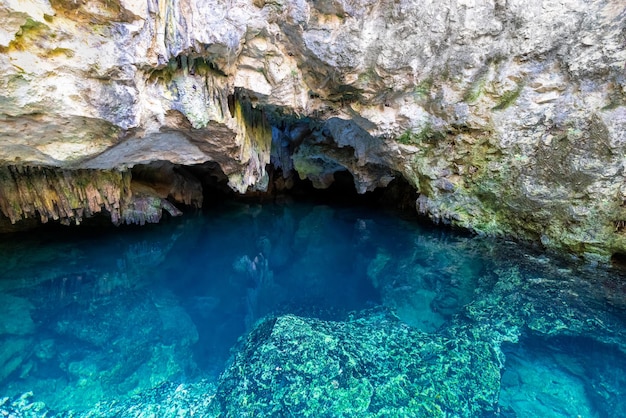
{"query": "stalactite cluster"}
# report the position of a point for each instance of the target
(149, 209)
(69, 196)
(64, 195)
(255, 140)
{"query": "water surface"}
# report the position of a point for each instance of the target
(94, 315)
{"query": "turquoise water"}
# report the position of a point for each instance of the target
(90, 318)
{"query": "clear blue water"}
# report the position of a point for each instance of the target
(91, 315)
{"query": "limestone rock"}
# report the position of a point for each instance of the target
(507, 117)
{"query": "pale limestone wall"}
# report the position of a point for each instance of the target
(507, 117)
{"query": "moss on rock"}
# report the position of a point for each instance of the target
(508, 98)
(369, 366)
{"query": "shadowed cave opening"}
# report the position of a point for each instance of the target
(203, 187)
(398, 195)
(618, 260)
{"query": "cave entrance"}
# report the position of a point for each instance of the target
(397, 195)
(205, 186)
(619, 260)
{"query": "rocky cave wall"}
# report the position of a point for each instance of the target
(508, 117)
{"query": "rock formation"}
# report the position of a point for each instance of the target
(508, 118)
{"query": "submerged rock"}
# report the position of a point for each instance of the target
(166, 400)
(23, 406)
(375, 365)
(13, 354)
(369, 366)
(15, 312)
(110, 359)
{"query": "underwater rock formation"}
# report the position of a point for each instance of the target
(507, 118)
(375, 365)
(130, 341)
(370, 366)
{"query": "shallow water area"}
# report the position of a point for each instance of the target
(91, 318)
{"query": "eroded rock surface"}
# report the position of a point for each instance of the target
(345, 368)
(507, 117)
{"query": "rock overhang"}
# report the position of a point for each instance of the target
(503, 124)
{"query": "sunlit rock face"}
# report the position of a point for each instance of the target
(507, 117)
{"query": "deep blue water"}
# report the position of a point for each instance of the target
(89, 315)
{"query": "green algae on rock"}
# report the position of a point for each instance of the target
(166, 400)
(372, 365)
(375, 365)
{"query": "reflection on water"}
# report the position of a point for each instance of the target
(97, 316)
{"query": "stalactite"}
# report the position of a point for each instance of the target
(147, 209)
(69, 196)
(63, 195)
(255, 140)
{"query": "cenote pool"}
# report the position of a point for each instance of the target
(300, 309)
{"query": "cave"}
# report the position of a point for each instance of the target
(619, 260)
(205, 185)
(312, 208)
